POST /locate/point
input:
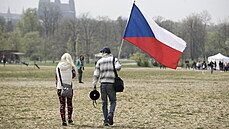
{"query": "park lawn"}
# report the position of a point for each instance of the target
(153, 98)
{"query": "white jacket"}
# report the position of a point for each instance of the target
(66, 74)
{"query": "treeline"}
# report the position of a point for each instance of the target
(48, 37)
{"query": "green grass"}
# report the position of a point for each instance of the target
(152, 98)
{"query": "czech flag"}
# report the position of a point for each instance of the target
(159, 43)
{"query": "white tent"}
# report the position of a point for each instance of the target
(217, 58)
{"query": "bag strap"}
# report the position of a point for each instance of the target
(94, 103)
(116, 75)
(60, 77)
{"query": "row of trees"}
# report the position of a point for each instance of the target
(49, 36)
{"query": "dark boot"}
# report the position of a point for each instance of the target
(110, 118)
(70, 122)
(64, 124)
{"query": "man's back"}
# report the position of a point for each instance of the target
(104, 69)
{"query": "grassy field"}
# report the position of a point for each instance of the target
(153, 98)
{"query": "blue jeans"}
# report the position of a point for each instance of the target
(80, 75)
(107, 90)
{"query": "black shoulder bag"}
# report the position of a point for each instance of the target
(118, 84)
(67, 90)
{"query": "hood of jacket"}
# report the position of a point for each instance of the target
(64, 66)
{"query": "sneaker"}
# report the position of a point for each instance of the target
(70, 122)
(110, 118)
(106, 124)
(64, 124)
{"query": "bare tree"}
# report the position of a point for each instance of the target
(218, 39)
(74, 31)
(195, 33)
(50, 16)
(87, 29)
(205, 16)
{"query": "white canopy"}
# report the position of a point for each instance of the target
(217, 58)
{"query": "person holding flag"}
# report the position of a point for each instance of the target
(104, 71)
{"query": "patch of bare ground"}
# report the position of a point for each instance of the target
(153, 98)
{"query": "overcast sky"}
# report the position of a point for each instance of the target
(175, 10)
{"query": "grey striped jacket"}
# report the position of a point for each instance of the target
(104, 69)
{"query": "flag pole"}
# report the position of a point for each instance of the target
(120, 49)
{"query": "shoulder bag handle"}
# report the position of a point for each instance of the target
(116, 75)
(60, 77)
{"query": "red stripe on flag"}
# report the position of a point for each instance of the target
(164, 54)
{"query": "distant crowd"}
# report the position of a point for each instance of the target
(222, 66)
(211, 65)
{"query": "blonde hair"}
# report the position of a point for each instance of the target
(68, 58)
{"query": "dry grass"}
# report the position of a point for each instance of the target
(153, 98)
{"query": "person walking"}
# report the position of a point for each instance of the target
(225, 67)
(67, 72)
(220, 65)
(4, 60)
(80, 67)
(204, 66)
(211, 64)
(194, 65)
(105, 72)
